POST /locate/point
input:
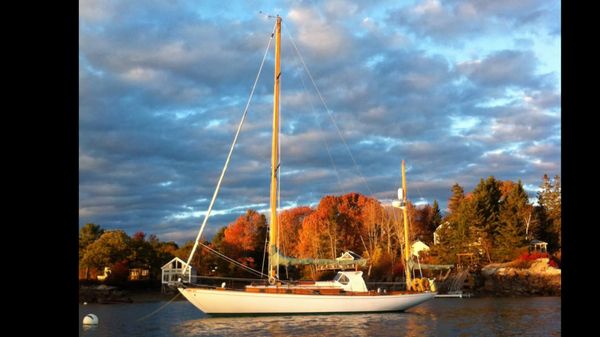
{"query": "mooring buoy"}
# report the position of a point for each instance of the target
(90, 319)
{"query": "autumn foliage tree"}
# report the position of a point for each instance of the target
(290, 222)
(244, 239)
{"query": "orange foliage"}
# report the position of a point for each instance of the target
(290, 222)
(311, 237)
(337, 225)
(245, 233)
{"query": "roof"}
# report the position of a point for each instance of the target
(168, 264)
(349, 255)
(536, 241)
(418, 246)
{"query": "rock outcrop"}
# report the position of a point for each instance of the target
(505, 279)
(103, 294)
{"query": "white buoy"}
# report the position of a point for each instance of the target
(90, 319)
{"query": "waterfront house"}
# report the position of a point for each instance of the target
(346, 256)
(139, 272)
(438, 232)
(417, 247)
(173, 269)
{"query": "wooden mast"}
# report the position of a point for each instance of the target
(406, 243)
(273, 225)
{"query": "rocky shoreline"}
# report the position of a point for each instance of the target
(103, 294)
(509, 280)
(494, 280)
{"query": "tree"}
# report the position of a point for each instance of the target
(458, 194)
(436, 217)
(511, 230)
(549, 199)
(290, 223)
(486, 196)
(244, 238)
(87, 235)
(110, 248)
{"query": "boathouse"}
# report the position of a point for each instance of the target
(173, 269)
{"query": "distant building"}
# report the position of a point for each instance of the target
(346, 256)
(173, 269)
(538, 246)
(438, 231)
(418, 247)
(139, 273)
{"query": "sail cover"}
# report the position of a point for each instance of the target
(287, 260)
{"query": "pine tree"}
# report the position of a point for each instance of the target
(511, 230)
(486, 197)
(436, 216)
(458, 194)
(549, 199)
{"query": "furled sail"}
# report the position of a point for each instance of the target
(287, 261)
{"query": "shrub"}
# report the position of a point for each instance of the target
(533, 256)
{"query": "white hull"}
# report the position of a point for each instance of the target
(239, 302)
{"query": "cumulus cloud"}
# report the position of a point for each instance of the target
(447, 22)
(162, 86)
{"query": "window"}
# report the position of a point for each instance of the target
(341, 278)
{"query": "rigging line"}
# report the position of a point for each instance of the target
(312, 107)
(237, 133)
(262, 266)
(329, 113)
(160, 308)
(225, 257)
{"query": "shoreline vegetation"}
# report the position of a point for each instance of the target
(510, 245)
(510, 279)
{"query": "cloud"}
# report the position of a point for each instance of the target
(502, 68)
(450, 22)
(162, 87)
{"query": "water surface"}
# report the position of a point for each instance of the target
(538, 316)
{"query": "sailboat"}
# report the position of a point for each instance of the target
(346, 293)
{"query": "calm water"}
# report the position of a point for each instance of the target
(539, 316)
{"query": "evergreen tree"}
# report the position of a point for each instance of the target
(549, 199)
(87, 235)
(444, 249)
(458, 194)
(436, 216)
(486, 196)
(511, 230)
(465, 218)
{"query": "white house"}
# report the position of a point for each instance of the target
(538, 246)
(437, 233)
(173, 269)
(418, 247)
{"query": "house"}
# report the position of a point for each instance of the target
(538, 246)
(346, 256)
(139, 273)
(417, 247)
(438, 231)
(173, 269)
(349, 256)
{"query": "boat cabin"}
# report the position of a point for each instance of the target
(350, 281)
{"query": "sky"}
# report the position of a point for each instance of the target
(459, 89)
